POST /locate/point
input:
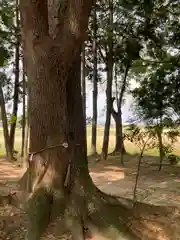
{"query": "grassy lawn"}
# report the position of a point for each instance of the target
(130, 147)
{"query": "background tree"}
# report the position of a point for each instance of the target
(95, 83)
(83, 79)
(24, 114)
(109, 68)
(9, 154)
(7, 33)
(153, 103)
(16, 76)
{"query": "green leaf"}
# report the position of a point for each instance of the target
(13, 119)
(4, 55)
(5, 18)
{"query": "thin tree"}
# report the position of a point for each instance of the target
(16, 82)
(117, 115)
(9, 153)
(83, 78)
(95, 84)
(109, 69)
(23, 111)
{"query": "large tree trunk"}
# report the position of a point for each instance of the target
(48, 62)
(95, 85)
(9, 153)
(59, 176)
(109, 84)
(16, 82)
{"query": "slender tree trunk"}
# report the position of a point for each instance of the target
(109, 85)
(160, 143)
(83, 79)
(26, 138)
(119, 147)
(23, 113)
(9, 153)
(27, 110)
(83, 83)
(16, 83)
(95, 85)
(26, 135)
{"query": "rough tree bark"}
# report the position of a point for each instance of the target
(95, 84)
(48, 62)
(59, 119)
(16, 82)
(109, 67)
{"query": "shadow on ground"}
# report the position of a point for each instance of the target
(153, 186)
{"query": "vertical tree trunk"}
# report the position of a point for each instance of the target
(16, 83)
(26, 138)
(83, 83)
(9, 153)
(119, 147)
(95, 85)
(160, 143)
(109, 84)
(48, 63)
(23, 112)
(83, 79)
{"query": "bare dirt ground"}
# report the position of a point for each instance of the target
(160, 188)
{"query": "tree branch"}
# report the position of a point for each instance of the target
(34, 19)
(102, 55)
(104, 58)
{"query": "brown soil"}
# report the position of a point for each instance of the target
(159, 188)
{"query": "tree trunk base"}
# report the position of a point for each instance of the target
(103, 216)
(94, 155)
(118, 152)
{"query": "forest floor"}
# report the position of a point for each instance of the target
(159, 188)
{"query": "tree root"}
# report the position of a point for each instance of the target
(9, 199)
(104, 216)
(144, 222)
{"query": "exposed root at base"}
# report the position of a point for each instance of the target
(144, 222)
(10, 199)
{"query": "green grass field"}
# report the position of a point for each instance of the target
(130, 147)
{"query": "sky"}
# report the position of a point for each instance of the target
(126, 112)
